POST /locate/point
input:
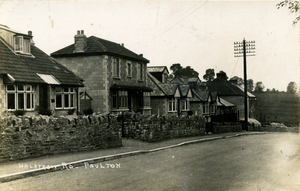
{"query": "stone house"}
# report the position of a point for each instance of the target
(30, 79)
(114, 77)
(232, 94)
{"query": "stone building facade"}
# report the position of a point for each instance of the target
(114, 77)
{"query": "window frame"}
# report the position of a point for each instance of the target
(185, 104)
(116, 67)
(70, 93)
(119, 99)
(129, 69)
(173, 103)
(24, 93)
(24, 45)
(146, 100)
(140, 73)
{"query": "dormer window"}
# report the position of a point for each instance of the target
(22, 45)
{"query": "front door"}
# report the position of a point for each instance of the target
(43, 97)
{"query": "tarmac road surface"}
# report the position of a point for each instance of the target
(256, 162)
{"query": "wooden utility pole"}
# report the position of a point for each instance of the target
(243, 49)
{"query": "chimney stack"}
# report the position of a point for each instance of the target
(141, 55)
(80, 42)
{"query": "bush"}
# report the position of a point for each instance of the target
(88, 111)
(71, 111)
(19, 112)
(43, 111)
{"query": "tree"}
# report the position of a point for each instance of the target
(209, 75)
(259, 87)
(240, 81)
(179, 71)
(175, 67)
(293, 6)
(222, 76)
(250, 85)
(291, 88)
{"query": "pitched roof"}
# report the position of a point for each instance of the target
(25, 69)
(248, 93)
(225, 103)
(157, 69)
(100, 46)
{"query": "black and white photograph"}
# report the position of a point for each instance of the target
(128, 95)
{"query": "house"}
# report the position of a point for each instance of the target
(176, 96)
(231, 94)
(169, 99)
(114, 77)
(31, 80)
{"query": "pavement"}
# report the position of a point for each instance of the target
(18, 169)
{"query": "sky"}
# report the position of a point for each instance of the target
(200, 34)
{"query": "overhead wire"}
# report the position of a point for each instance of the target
(169, 28)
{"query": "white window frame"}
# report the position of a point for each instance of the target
(206, 108)
(65, 91)
(140, 73)
(146, 100)
(25, 92)
(129, 69)
(172, 105)
(120, 98)
(24, 45)
(185, 105)
(116, 67)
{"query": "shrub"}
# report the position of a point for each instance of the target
(88, 111)
(19, 112)
(71, 111)
(43, 111)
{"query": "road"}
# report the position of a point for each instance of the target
(256, 162)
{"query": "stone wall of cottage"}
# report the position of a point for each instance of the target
(153, 128)
(196, 107)
(159, 106)
(27, 137)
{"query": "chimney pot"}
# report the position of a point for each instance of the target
(141, 55)
(122, 44)
(82, 31)
(78, 32)
(30, 33)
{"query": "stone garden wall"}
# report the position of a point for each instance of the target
(153, 128)
(225, 127)
(26, 137)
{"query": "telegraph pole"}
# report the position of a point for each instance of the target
(243, 49)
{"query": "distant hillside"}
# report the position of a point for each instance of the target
(277, 107)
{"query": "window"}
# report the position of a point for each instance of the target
(146, 99)
(22, 45)
(172, 104)
(64, 97)
(119, 99)
(205, 108)
(129, 69)
(140, 71)
(116, 67)
(185, 104)
(213, 108)
(20, 97)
